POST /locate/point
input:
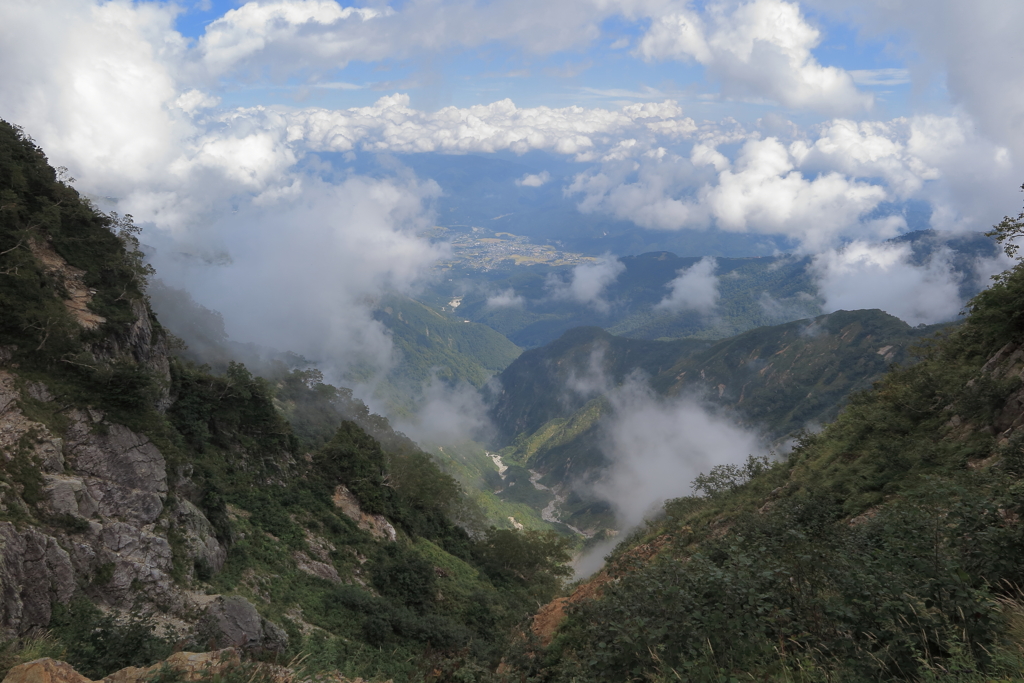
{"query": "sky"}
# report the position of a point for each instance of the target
(232, 132)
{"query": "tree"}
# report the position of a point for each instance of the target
(1007, 232)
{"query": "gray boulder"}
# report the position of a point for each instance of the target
(234, 622)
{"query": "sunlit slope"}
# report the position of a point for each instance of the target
(431, 342)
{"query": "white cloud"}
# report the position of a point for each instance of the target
(304, 269)
(587, 282)
(506, 299)
(447, 415)
(693, 289)
(758, 49)
(882, 276)
(95, 84)
(297, 32)
(195, 100)
(656, 447)
(533, 179)
(973, 49)
(285, 36)
(391, 125)
(654, 191)
(764, 192)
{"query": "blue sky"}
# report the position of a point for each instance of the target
(602, 72)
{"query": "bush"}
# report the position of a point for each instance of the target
(97, 644)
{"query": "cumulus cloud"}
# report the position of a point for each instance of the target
(391, 125)
(506, 299)
(764, 192)
(972, 49)
(693, 289)
(318, 36)
(654, 191)
(533, 179)
(758, 49)
(883, 276)
(95, 84)
(587, 282)
(761, 191)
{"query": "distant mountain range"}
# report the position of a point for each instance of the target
(518, 301)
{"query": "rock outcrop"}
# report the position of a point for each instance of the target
(234, 622)
(95, 499)
(377, 525)
(189, 666)
(35, 572)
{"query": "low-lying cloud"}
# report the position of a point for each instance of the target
(447, 414)
(883, 276)
(587, 282)
(506, 299)
(656, 447)
(693, 289)
(304, 270)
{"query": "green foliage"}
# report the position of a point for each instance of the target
(535, 560)
(799, 584)
(98, 644)
(725, 478)
(431, 343)
(1008, 231)
(20, 650)
(402, 574)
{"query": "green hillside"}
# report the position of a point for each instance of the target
(430, 342)
(533, 389)
(776, 380)
(889, 546)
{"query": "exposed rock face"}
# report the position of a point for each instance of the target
(143, 345)
(322, 570)
(235, 622)
(105, 487)
(140, 343)
(35, 571)
(127, 475)
(190, 666)
(377, 525)
(200, 537)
